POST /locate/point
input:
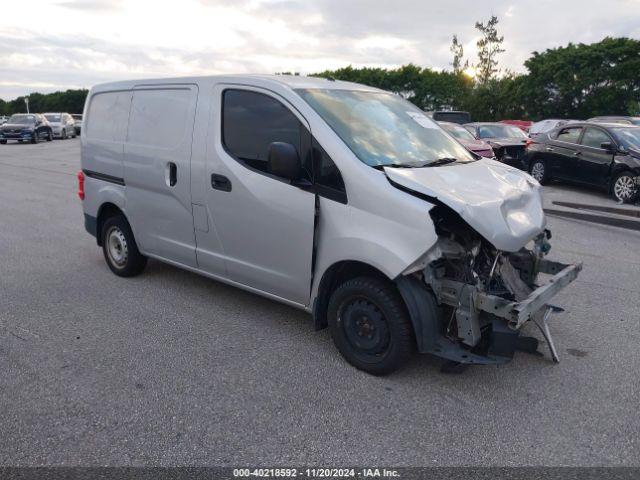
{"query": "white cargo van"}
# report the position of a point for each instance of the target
(340, 199)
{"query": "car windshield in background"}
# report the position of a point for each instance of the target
(629, 137)
(500, 131)
(22, 119)
(460, 133)
(53, 118)
(383, 129)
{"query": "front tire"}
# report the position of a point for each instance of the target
(624, 188)
(120, 249)
(538, 170)
(370, 325)
(35, 138)
(63, 135)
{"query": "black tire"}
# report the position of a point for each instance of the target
(35, 137)
(370, 325)
(538, 170)
(19, 140)
(50, 136)
(130, 262)
(63, 135)
(623, 187)
(3, 142)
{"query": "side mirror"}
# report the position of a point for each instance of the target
(283, 161)
(608, 146)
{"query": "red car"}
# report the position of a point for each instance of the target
(523, 125)
(461, 134)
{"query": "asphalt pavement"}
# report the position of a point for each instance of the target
(170, 368)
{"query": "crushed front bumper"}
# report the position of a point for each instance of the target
(517, 313)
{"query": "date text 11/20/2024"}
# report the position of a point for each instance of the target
(316, 472)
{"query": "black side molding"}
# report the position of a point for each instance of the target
(104, 177)
(91, 225)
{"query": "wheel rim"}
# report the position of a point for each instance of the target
(117, 248)
(537, 171)
(365, 328)
(624, 188)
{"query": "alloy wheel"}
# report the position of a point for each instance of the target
(624, 189)
(537, 171)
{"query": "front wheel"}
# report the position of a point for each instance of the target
(35, 138)
(538, 170)
(624, 188)
(370, 326)
(120, 249)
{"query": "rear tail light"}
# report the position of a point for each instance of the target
(80, 185)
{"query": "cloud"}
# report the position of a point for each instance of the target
(79, 43)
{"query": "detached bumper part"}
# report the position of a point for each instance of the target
(517, 313)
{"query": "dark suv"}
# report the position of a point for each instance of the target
(603, 155)
(31, 127)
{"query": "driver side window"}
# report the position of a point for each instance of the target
(594, 137)
(251, 121)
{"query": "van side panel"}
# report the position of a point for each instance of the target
(157, 170)
(105, 128)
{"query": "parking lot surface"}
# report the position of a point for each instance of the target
(170, 368)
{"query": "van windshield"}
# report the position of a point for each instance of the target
(382, 129)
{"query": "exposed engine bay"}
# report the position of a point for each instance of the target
(484, 295)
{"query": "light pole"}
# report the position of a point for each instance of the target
(26, 101)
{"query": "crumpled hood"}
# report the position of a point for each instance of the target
(501, 203)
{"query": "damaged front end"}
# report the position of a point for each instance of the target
(472, 299)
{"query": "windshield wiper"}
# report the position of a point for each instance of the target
(441, 161)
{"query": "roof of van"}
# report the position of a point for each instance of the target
(291, 81)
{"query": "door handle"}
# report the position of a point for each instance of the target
(549, 149)
(576, 154)
(220, 182)
(171, 174)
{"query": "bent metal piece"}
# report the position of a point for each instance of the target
(517, 313)
(542, 324)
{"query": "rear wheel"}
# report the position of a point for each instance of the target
(624, 188)
(119, 247)
(370, 325)
(538, 170)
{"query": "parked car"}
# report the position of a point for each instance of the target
(616, 119)
(523, 125)
(602, 155)
(3, 119)
(479, 147)
(31, 127)
(62, 124)
(544, 126)
(77, 118)
(336, 198)
(453, 116)
(508, 142)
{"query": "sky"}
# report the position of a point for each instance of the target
(49, 45)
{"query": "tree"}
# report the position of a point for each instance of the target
(489, 47)
(458, 53)
(582, 81)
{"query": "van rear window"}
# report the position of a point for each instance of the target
(159, 117)
(107, 117)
